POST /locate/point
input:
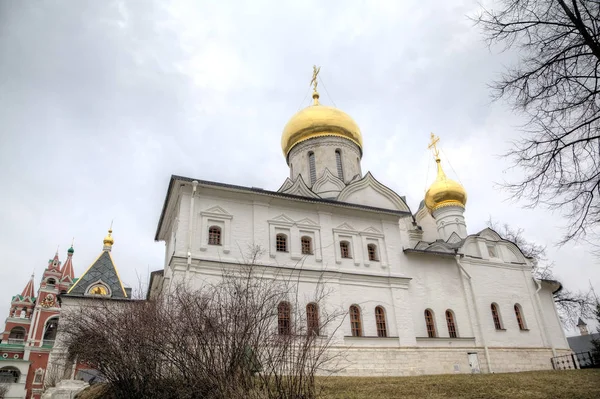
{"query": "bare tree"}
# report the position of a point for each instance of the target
(3, 390)
(246, 334)
(555, 85)
(570, 304)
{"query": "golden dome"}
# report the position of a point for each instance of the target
(444, 192)
(317, 121)
(108, 240)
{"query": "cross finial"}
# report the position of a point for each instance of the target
(314, 83)
(433, 146)
(111, 223)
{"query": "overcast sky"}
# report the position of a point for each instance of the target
(101, 101)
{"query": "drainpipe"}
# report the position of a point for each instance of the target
(478, 319)
(191, 226)
(541, 313)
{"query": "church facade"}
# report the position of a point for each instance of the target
(422, 295)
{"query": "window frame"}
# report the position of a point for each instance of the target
(284, 318)
(496, 316)
(346, 244)
(451, 323)
(372, 252)
(355, 321)
(338, 164)
(520, 318)
(312, 319)
(380, 322)
(215, 230)
(430, 323)
(283, 238)
(309, 240)
(312, 168)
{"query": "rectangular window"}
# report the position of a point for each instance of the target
(306, 246)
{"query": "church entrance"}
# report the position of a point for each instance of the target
(474, 363)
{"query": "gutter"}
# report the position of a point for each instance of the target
(478, 319)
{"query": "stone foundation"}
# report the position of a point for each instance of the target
(421, 361)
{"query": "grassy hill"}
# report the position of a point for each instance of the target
(573, 384)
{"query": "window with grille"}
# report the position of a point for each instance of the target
(451, 324)
(380, 321)
(430, 324)
(338, 161)
(355, 323)
(496, 317)
(306, 245)
(372, 249)
(520, 318)
(281, 243)
(312, 319)
(214, 235)
(284, 318)
(345, 249)
(312, 168)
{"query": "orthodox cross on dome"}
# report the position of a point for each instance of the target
(433, 146)
(314, 83)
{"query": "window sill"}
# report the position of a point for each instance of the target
(215, 245)
(283, 252)
(524, 329)
(500, 329)
(368, 337)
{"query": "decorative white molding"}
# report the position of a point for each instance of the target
(286, 185)
(328, 183)
(215, 216)
(373, 236)
(370, 182)
(294, 230)
(345, 232)
(301, 189)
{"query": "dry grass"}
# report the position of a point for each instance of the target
(575, 384)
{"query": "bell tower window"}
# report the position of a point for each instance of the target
(338, 162)
(312, 167)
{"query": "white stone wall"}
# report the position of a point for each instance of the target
(405, 285)
(324, 149)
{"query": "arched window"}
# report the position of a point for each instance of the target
(51, 281)
(23, 313)
(380, 321)
(306, 245)
(281, 243)
(9, 375)
(214, 235)
(430, 322)
(451, 324)
(355, 323)
(311, 167)
(345, 249)
(17, 335)
(496, 317)
(520, 319)
(312, 319)
(50, 331)
(372, 249)
(338, 162)
(284, 325)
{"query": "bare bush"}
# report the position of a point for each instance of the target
(3, 390)
(243, 335)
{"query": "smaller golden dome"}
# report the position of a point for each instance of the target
(317, 121)
(108, 240)
(444, 192)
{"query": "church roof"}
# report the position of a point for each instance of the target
(260, 191)
(104, 271)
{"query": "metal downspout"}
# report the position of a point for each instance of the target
(485, 348)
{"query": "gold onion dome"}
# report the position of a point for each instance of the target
(444, 192)
(108, 240)
(319, 120)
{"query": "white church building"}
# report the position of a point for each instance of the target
(423, 295)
